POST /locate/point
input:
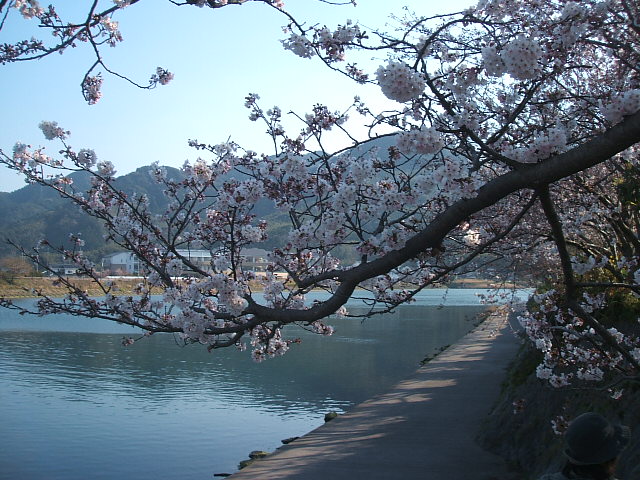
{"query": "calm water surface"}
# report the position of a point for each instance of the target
(75, 404)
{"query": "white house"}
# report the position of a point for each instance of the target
(253, 259)
(121, 262)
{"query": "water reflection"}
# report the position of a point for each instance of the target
(79, 405)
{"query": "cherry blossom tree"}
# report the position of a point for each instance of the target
(513, 126)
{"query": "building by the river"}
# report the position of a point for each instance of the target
(126, 263)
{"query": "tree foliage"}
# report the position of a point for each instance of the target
(514, 128)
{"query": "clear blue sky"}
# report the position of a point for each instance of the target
(217, 56)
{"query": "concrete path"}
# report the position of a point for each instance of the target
(424, 428)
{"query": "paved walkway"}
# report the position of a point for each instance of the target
(424, 428)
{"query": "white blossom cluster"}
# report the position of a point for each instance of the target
(243, 193)
(423, 47)
(343, 34)
(472, 237)
(549, 142)
(493, 63)
(253, 234)
(272, 290)
(91, 89)
(162, 76)
(581, 268)
(333, 43)
(300, 45)
(23, 157)
(109, 24)
(579, 348)
(267, 343)
(422, 141)
(497, 9)
(399, 82)
(51, 130)
(110, 27)
(20, 152)
(520, 58)
(29, 8)
(323, 329)
(626, 103)
(86, 158)
(573, 23)
(572, 10)
(383, 289)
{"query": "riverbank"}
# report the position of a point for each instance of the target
(27, 287)
(31, 287)
(424, 427)
(522, 419)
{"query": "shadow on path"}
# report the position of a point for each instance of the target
(424, 428)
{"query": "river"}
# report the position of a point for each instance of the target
(75, 404)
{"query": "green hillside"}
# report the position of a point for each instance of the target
(34, 212)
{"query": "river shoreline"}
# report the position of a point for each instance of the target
(28, 287)
(72, 392)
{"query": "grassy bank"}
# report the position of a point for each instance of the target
(25, 287)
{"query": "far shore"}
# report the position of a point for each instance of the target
(27, 287)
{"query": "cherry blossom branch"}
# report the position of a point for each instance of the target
(603, 332)
(502, 102)
(468, 257)
(535, 176)
(571, 292)
(559, 239)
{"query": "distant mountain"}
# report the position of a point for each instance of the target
(34, 212)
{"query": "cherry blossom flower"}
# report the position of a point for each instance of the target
(521, 57)
(51, 130)
(423, 141)
(502, 115)
(91, 89)
(86, 158)
(299, 45)
(399, 82)
(163, 76)
(29, 8)
(621, 105)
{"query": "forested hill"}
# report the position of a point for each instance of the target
(35, 212)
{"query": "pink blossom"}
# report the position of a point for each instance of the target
(91, 89)
(423, 141)
(29, 8)
(51, 130)
(399, 82)
(299, 45)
